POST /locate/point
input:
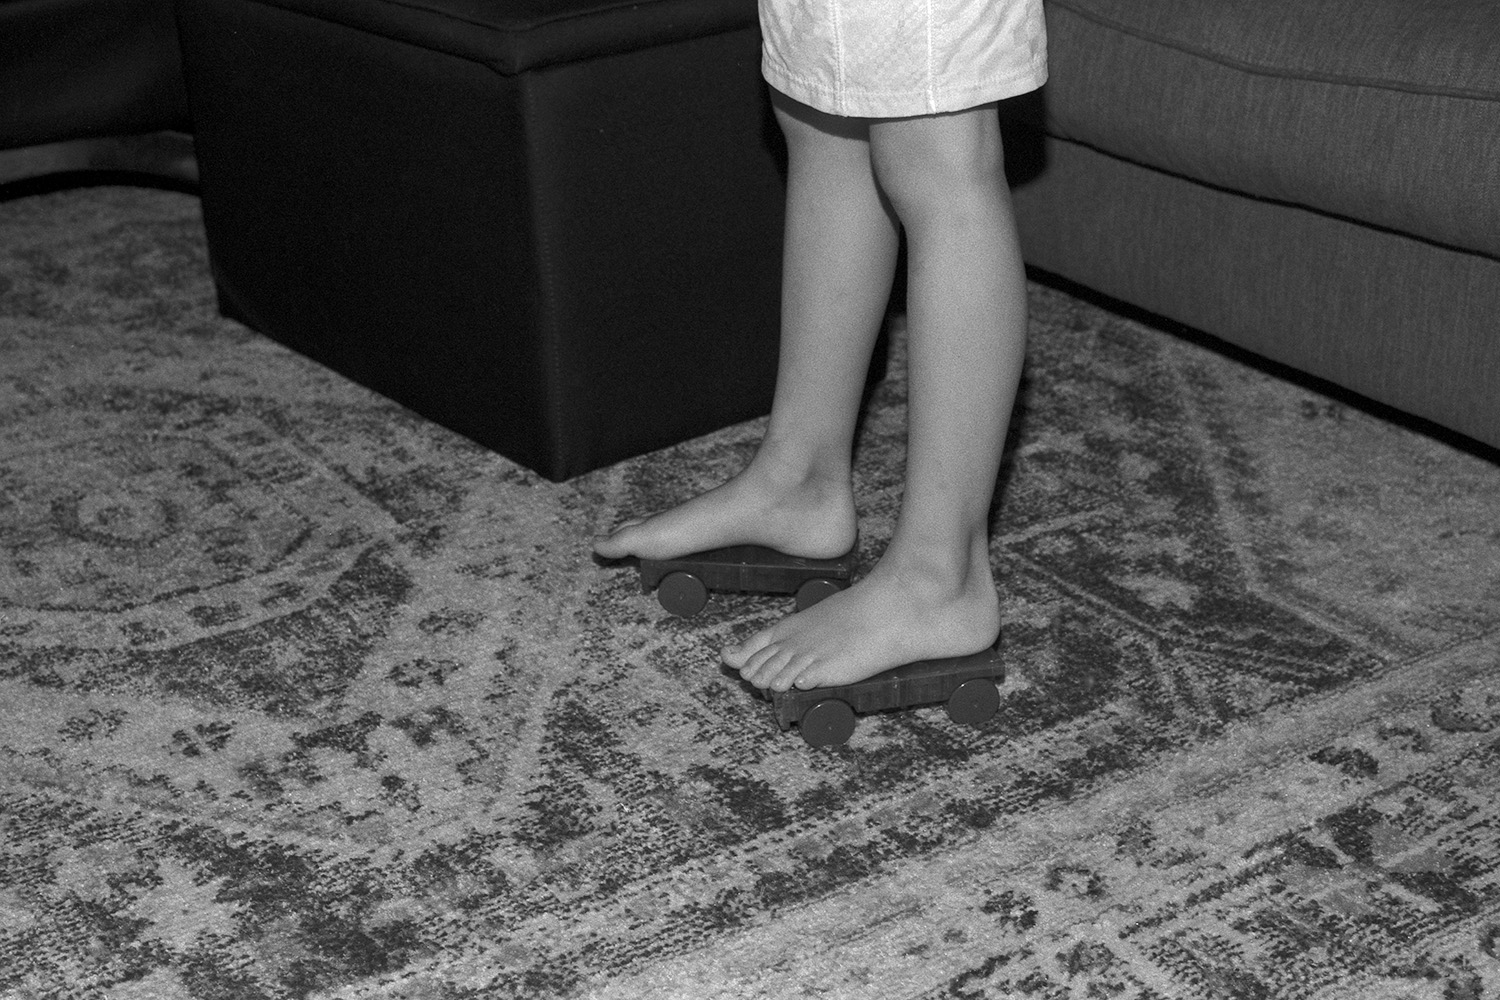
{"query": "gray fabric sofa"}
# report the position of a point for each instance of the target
(1317, 181)
(90, 85)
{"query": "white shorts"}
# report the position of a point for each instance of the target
(900, 58)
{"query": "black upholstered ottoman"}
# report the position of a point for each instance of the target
(551, 225)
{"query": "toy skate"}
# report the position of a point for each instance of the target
(682, 585)
(968, 686)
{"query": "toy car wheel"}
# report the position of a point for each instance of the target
(683, 594)
(813, 591)
(828, 723)
(974, 702)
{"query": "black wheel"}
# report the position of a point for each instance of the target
(683, 594)
(813, 591)
(827, 724)
(974, 702)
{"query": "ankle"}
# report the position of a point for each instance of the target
(794, 469)
(948, 572)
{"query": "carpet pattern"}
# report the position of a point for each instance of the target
(303, 696)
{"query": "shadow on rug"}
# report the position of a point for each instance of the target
(301, 695)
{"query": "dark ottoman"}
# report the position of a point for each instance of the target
(551, 225)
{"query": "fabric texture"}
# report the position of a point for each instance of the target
(303, 696)
(1405, 322)
(1382, 111)
(899, 58)
(72, 69)
(499, 267)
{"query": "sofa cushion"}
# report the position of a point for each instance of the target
(72, 69)
(1383, 111)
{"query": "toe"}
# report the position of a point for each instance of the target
(788, 673)
(811, 676)
(762, 666)
(740, 654)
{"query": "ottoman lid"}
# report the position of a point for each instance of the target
(513, 36)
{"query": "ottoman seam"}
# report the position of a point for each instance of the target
(546, 275)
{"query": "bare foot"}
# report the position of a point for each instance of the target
(799, 515)
(890, 618)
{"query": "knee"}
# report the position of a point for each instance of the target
(924, 164)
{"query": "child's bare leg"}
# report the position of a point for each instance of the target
(932, 593)
(841, 241)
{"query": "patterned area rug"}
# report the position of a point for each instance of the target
(302, 696)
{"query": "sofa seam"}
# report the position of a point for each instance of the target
(1240, 192)
(1263, 69)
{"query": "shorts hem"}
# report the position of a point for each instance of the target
(905, 104)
